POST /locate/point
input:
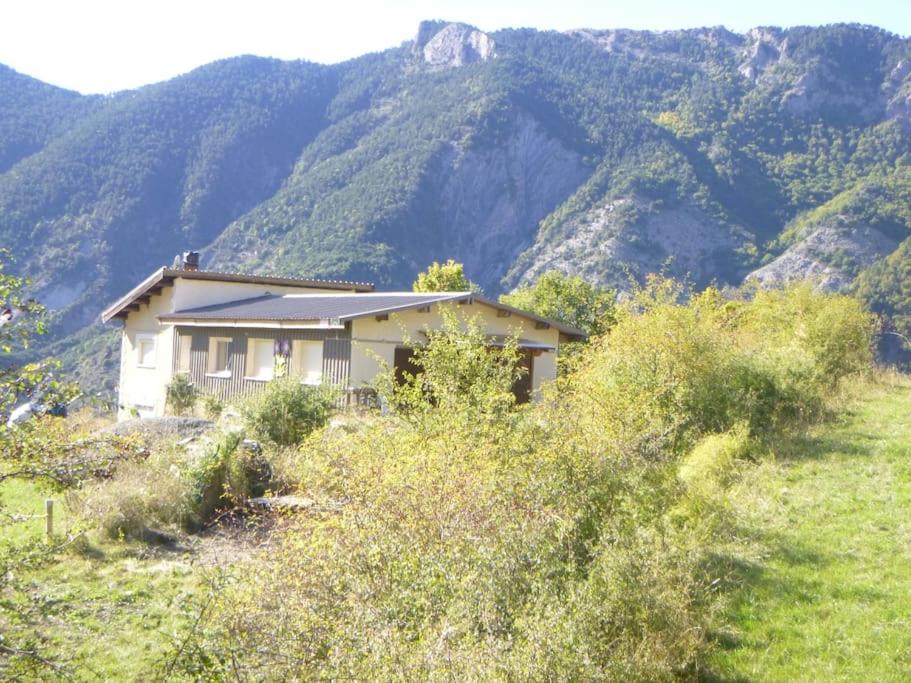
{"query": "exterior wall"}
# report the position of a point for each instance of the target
(372, 338)
(348, 354)
(143, 389)
(336, 355)
(195, 293)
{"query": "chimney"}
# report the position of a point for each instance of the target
(189, 260)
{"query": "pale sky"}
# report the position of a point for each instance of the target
(100, 46)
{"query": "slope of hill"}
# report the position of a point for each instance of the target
(607, 153)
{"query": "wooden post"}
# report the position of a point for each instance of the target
(49, 517)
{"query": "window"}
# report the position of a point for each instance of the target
(260, 359)
(307, 361)
(219, 356)
(145, 344)
(183, 352)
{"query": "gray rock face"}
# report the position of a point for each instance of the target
(453, 45)
(898, 90)
(625, 239)
(764, 47)
(831, 255)
(493, 198)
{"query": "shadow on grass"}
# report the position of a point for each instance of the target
(743, 579)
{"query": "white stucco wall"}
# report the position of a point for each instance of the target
(373, 338)
(143, 389)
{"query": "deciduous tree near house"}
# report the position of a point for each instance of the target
(444, 277)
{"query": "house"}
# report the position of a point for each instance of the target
(225, 330)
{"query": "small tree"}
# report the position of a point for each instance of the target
(181, 394)
(569, 299)
(444, 277)
(286, 411)
(459, 371)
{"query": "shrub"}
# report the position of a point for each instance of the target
(286, 411)
(181, 394)
(175, 488)
(212, 406)
(225, 476)
(546, 544)
(459, 371)
(140, 495)
(708, 466)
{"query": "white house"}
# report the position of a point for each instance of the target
(225, 329)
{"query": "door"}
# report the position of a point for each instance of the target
(522, 386)
(404, 363)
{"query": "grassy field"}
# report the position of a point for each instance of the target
(110, 609)
(823, 565)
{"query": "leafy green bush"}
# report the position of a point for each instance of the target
(458, 371)
(212, 406)
(225, 476)
(181, 394)
(464, 539)
(708, 467)
(286, 411)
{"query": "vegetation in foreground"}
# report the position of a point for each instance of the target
(462, 535)
(466, 538)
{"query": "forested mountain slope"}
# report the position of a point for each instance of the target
(612, 154)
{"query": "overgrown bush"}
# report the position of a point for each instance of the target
(286, 411)
(225, 476)
(212, 406)
(457, 371)
(175, 488)
(548, 544)
(181, 394)
(141, 495)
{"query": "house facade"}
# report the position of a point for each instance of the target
(228, 332)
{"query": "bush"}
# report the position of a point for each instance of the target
(140, 495)
(546, 544)
(181, 394)
(286, 411)
(212, 406)
(175, 488)
(708, 467)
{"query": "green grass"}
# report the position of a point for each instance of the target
(109, 610)
(822, 567)
(26, 500)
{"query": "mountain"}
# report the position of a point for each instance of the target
(611, 154)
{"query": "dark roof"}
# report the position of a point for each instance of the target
(165, 276)
(340, 307)
(312, 306)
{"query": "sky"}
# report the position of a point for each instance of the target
(101, 46)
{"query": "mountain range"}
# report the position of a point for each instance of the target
(777, 154)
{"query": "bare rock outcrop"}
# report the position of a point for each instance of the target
(764, 47)
(452, 45)
(493, 197)
(831, 255)
(626, 239)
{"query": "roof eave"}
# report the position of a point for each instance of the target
(118, 306)
(563, 328)
(405, 307)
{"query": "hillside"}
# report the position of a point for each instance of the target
(610, 154)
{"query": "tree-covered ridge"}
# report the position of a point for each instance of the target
(605, 154)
